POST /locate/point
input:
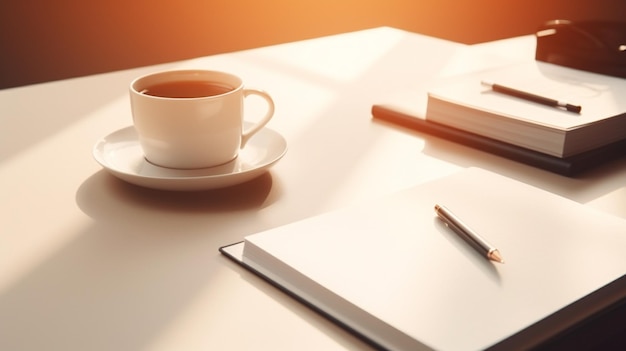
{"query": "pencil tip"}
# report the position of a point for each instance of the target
(495, 256)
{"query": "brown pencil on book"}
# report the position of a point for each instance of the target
(465, 232)
(532, 97)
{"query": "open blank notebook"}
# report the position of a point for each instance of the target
(392, 272)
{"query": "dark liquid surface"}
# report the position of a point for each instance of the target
(186, 89)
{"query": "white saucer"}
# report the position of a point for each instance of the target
(121, 154)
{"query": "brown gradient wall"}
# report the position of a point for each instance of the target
(48, 40)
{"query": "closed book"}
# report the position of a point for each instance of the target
(405, 110)
(465, 104)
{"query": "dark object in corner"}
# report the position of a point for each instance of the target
(595, 46)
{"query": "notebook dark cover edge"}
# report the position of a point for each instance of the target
(301, 300)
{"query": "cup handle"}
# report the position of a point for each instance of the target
(245, 136)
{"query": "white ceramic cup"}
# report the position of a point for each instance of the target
(183, 130)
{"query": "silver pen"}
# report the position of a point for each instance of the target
(470, 236)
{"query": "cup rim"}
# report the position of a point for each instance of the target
(161, 76)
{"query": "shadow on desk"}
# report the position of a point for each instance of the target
(102, 194)
(606, 332)
(122, 275)
(589, 185)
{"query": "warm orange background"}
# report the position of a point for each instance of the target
(49, 40)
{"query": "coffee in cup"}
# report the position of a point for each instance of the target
(190, 119)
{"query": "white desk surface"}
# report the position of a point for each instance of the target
(88, 262)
